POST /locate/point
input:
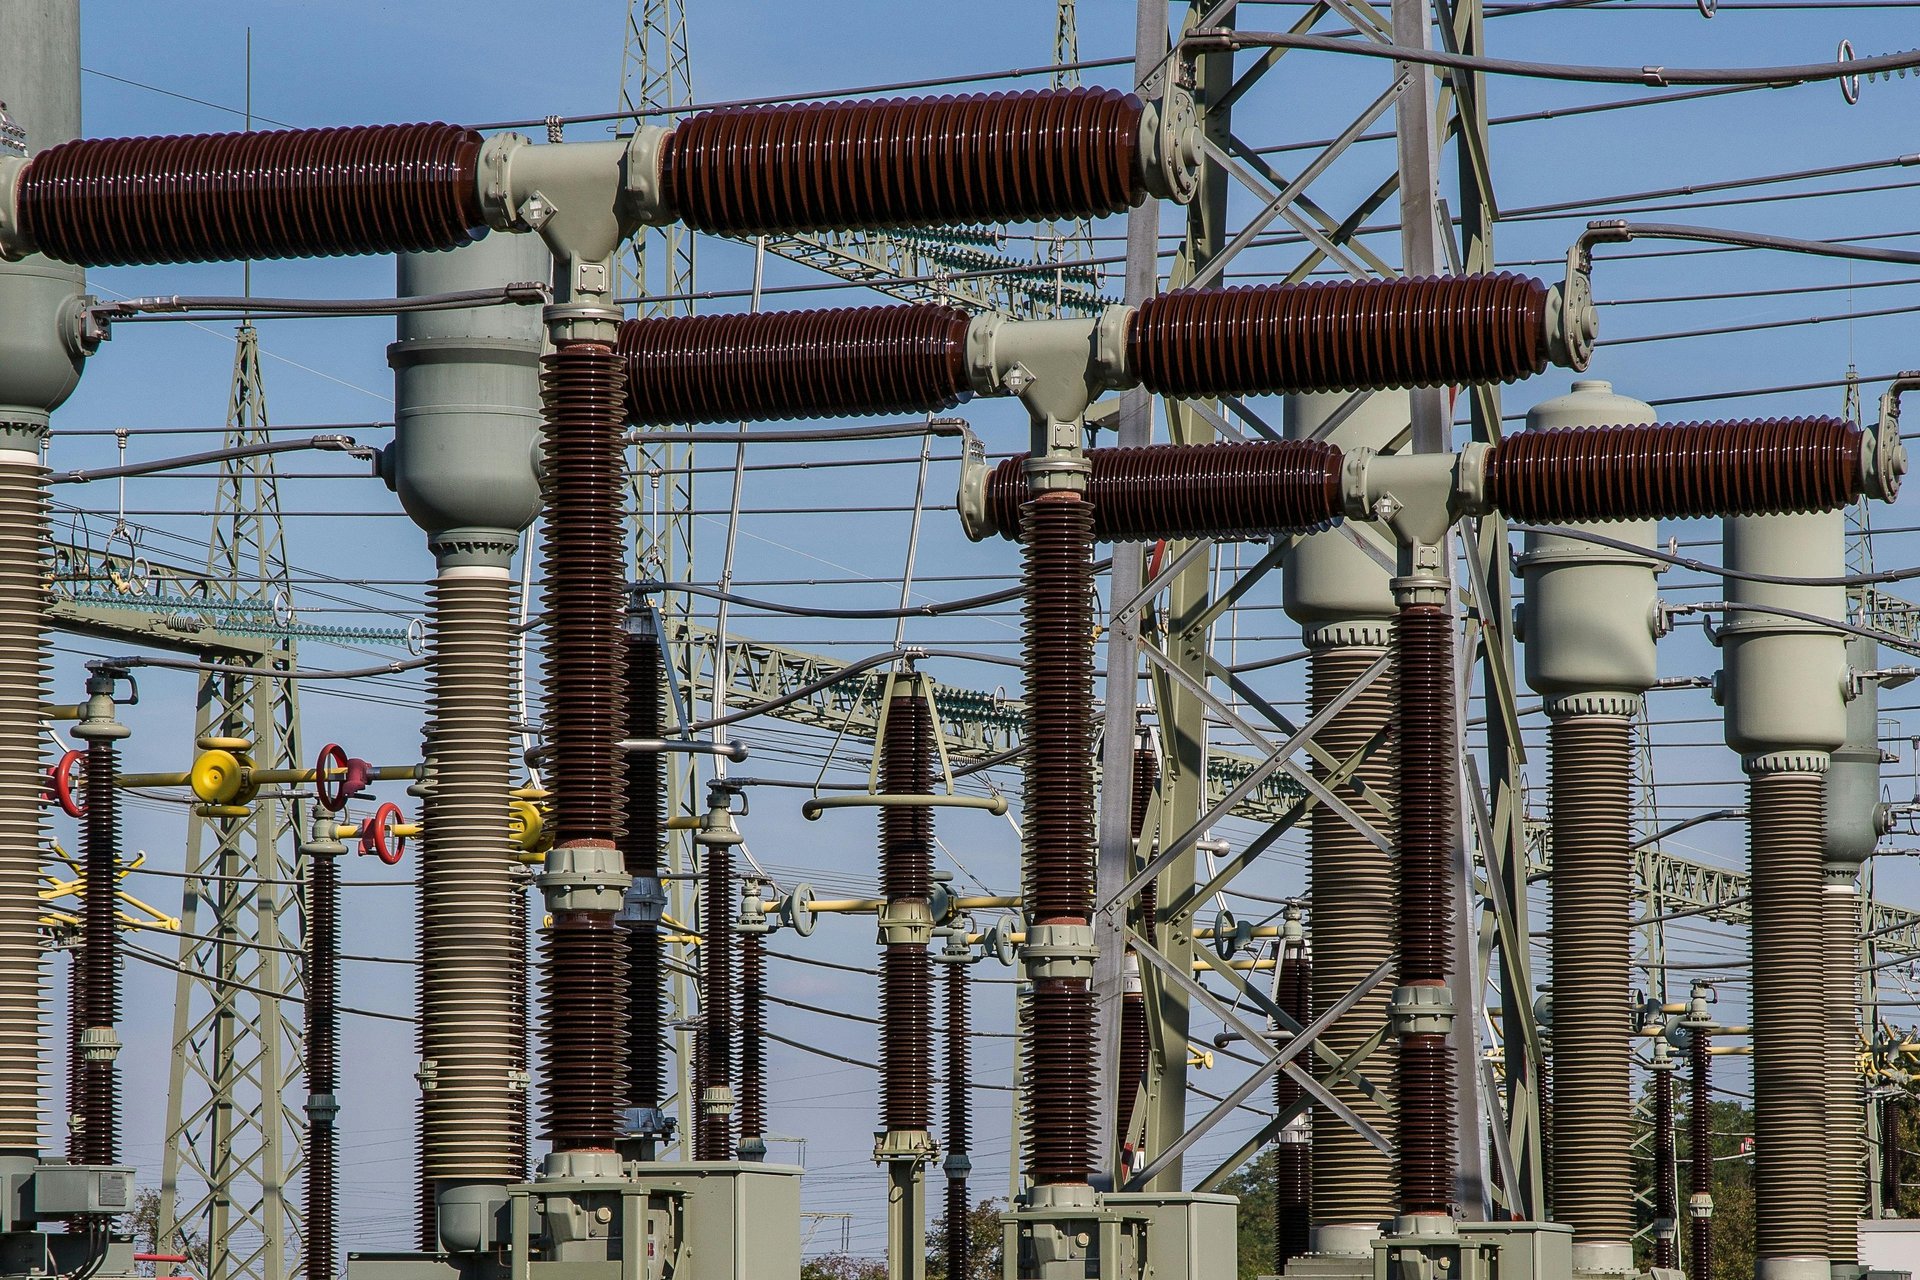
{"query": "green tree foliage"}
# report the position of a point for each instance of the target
(1731, 1129)
(983, 1227)
(1254, 1185)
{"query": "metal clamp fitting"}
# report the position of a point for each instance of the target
(645, 902)
(322, 1108)
(1059, 951)
(99, 1044)
(641, 190)
(716, 1100)
(1421, 1011)
(585, 875)
(906, 922)
(14, 243)
(1170, 145)
(904, 1146)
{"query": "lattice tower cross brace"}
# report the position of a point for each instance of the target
(232, 1141)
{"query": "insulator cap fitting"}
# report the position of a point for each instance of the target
(1170, 146)
(716, 1100)
(584, 875)
(1421, 1011)
(1059, 951)
(905, 922)
(904, 1146)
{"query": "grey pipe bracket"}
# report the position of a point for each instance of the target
(734, 751)
(1885, 462)
(812, 809)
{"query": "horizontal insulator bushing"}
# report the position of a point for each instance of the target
(1220, 491)
(1769, 466)
(1345, 336)
(975, 158)
(288, 193)
(795, 364)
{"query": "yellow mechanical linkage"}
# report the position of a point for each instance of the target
(131, 912)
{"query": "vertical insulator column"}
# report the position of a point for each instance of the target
(1057, 535)
(583, 386)
(1293, 1153)
(959, 1066)
(753, 1046)
(645, 797)
(1351, 886)
(1665, 1204)
(76, 1019)
(471, 974)
(1700, 1153)
(1424, 1100)
(716, 1005)
(1890, 1156)
(322, 1032)
(1846, 1099)
(100, 960)
(23, 593)
(1789, 1070)
(906, 884)
(1591, 772)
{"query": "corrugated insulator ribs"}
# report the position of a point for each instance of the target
(583, 388)
(795, 364)
(959, 1126)
(1423, 644)
(753, 1038)
(323, 1027)
(1756, 467)
(714, 1141)
(1665, 1207)
(586, 959)
(292, 193)
(1700, 1149)
(99, 1109)
(1293, 1156)
(906, 876)
(1057, 532)
(1210, 491)
(646, 789)
(975, 158)
(1446, 330)
(1591, 772)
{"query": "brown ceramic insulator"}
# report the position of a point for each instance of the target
(1700, 1149)
(644, 813)
(892, 162)
(1135, 1056)
(1890, 1152)
(1423, 1104)
(1591, 772)
(1785, 833)
(1759, 466)
(1345, 336)
(753, 1036)
(1423, 677)
(1146, 774)
(1664, 1205)
(906, 876)
(959, 1064)
(76, 1018)
(1220, 491)
(289, 193)
(1292, 1156)
(795, 364)
(322, 1057)
(520, 935)
(426, 1208)
(586, 959)
(1351, 888)
(1058, 798)
(1423, 669)
(1150, 912)
(582, 387)
(1058, 1043)
(716, 998)
(100, 956)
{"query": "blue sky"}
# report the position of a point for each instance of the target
(354, 62)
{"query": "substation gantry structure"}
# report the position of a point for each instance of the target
(1379, 1042)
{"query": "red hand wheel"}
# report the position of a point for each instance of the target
(377, 837)
(331, 792)
(63, 776)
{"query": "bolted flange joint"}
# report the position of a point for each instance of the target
(957, 1166)
(716, 1100)
(1421, 1011)
(647, 1122)
(1170, 151)
(904, 922)
(99, 1044)
(322, 1109)
(1059, 951)
(904, 1146)
(584, 875)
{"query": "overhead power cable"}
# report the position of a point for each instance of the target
(1218, 39)
(1606, 230)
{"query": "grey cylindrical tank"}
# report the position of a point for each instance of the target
(39, 365)
(1784, 678)
(40, 300)
(1333, 589)
(1589, 619)
(1856, 818)
(467, 398)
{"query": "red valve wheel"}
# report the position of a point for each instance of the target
(64, 775)
(332, 796)
(377, 838)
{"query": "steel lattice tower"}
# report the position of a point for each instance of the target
(233, 1143)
